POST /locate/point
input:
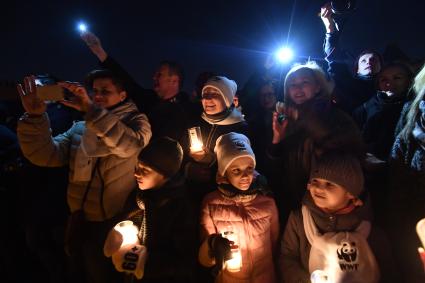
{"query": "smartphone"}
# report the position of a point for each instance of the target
(47, 89)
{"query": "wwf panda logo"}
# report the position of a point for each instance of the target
(239, 145)
(347, 251)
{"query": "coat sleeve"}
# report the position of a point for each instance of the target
(207, 228)
(290, 264)
(123, 140)
(38, 145)
(275, 229)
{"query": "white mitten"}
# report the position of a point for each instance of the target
(131, 259)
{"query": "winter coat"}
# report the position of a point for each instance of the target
(407, 198)
(171, 231)
(295, 247)
(350, 91)
(255, 219)
(167, 117)
(320, 128)
(112, 140)
(377, 119)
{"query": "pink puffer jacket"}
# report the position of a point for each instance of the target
(255, 218)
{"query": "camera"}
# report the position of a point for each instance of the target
(340, 7)
(48, 89)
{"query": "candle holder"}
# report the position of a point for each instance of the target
(128, 231)
(319, 276)
(420, 229)
(235, 263)
(195, 137)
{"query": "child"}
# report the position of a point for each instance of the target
(332, 231)
(241, 208)
(162, 213)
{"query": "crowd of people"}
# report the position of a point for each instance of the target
(316, 177)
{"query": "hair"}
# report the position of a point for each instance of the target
(117, 81)
(367, 51)
(326, 85)
(174, 69)
(412, 114)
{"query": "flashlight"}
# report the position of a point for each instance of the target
(284, 55)
(82, 27)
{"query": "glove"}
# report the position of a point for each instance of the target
(131, 259)
(112, 243)
(219, 249)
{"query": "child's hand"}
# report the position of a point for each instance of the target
(422, 255)
(198, 156)
(131, 259)
(112, 243)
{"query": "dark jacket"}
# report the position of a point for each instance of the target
(321, 128)
(172, 234)
(350, 90)
(377, 119)
(167, 117)
(406, 203)
(295, 247)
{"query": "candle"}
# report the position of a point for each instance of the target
(420, 229)
(128, 231)
(195, 137)
(235, 263)
(319, 276)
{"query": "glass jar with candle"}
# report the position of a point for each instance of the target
(235, 263)
(195, 137)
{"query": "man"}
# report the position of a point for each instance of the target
(165, 105)
(350, 91)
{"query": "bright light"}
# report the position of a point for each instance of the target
(82, 27)
(284, 54)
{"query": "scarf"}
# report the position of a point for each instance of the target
(228, 117)
(258, 186)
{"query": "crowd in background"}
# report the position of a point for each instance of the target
(299, 163)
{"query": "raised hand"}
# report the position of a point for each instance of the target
(80, 99)
(94, 44)
(326, 16)
(279, 128)
(31, 103)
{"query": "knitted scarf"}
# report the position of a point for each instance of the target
(258, 186)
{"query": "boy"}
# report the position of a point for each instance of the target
(162, 213)
(332, 231)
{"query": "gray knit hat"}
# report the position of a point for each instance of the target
(341, 169)
(227, 88)
(164, 155)
(229, 147)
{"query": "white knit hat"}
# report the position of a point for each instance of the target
(230, 147)
(227, 88)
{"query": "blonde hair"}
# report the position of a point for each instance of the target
(326, 85)
(412, 115)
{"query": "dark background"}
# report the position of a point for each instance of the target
(229, 37)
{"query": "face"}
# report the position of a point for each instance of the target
(212, 101)
(105, 93)
(241, 173)
(394, 79)
(368, 64)
(302, 86)
(267, 97)
(147, 178)
(164, 84)
(328, 195)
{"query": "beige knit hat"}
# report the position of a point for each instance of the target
(230, 147)
(227, 88)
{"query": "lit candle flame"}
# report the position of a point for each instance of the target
(128, 231)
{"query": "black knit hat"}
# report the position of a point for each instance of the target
(164, 155)
(341, 169)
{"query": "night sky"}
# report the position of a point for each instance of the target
(229, 37)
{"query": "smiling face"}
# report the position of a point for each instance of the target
(302, 86)
(212, 101)
(240, 172)
(328, 195)
(394, 79)
(105, 94)
(147, 178)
